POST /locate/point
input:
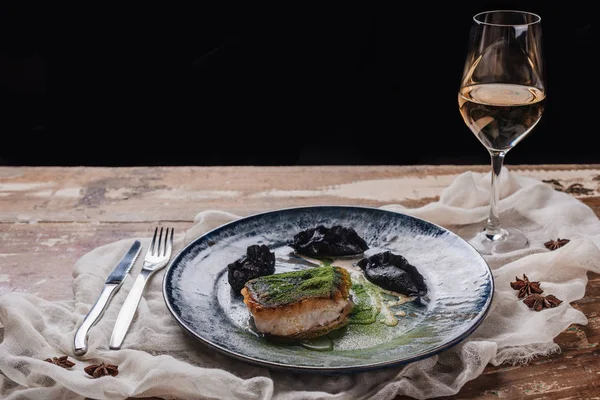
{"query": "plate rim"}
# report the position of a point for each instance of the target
(322, 369)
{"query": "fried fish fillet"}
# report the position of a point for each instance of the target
(300, 304)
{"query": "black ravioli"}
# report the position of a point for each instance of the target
(258, 261)
(393, 272)
(329, 242)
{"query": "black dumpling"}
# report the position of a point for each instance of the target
(336, 241)
(258, 261)
(393, 272)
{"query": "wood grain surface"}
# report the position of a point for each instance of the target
(51, 216)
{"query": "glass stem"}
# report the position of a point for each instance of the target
(493, 230)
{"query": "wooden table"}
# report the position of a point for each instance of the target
(51, 216)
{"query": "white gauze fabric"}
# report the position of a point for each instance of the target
(160, 359)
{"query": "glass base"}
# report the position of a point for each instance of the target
(507, 240)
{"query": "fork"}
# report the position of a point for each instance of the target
(157, 256)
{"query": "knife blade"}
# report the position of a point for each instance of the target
(112, 284)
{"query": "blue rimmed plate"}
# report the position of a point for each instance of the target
(459, 281)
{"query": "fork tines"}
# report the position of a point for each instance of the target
(161, 246)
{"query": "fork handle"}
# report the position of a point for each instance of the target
(128, 310)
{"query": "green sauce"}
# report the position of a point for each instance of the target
(366, 303)
(371, 304)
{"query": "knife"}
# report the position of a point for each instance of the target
(111, 286)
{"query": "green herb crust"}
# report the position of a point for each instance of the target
(289, 287)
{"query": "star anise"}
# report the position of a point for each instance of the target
(578, 188)
(556, 185)
(61, 361)
(102, 369)
(539, 302)
(555, 244)
(525, 287)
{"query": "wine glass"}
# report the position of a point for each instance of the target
(501, 99)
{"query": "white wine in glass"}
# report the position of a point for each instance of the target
(501, 99)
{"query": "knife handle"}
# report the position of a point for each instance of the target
(80, 342)
(128, 310)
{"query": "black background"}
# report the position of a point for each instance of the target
(342, 83)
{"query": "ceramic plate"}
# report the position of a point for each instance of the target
(459, 282)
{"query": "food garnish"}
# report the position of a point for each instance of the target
(525, 287)
(102, 369)
(538, 302)
(393, 272)
(531, 293)
(62, 361)
(556, 244)
(335, 241)
(258, 261)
